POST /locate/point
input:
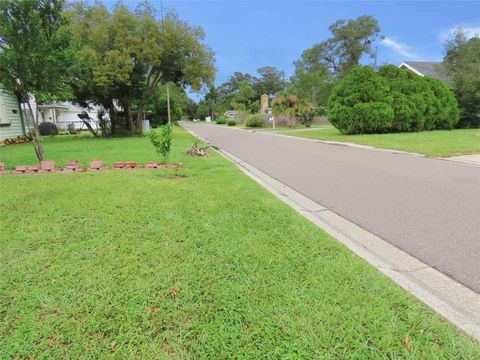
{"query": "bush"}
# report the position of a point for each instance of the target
(254, 120)
(362, 118)
(446, 115)
(222, 120)
(47, 128)
(72, 129)
(231, 123)
(416, 103)
(362, 91)
(161, 140)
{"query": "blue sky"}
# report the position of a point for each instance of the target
(246, 35)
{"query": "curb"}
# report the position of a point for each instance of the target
(455, 302)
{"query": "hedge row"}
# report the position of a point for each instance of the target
(391, 100)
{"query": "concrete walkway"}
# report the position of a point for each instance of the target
(428, 208)
(473, 159)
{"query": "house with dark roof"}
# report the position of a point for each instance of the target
(431, 69)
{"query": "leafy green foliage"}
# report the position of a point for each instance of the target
(125, 55)
(222, 120)
(161, 139)
(36, 54)
(349, 42)
(231, 123)
(180, 104)
(410, 102)
(242, 92)
(254, 120)
(462, 61)
(271, 81)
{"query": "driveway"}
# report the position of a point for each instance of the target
(429, 208)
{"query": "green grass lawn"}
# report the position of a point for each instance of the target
(196, 262)
(430, 143)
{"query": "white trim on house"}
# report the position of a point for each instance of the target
(411, 69)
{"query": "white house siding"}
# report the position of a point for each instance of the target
(10, 121)
(66, 113)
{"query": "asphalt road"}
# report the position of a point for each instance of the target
(427, 207)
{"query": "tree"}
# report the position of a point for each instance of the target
(270, 82)
(312, 86)
(134, 54)
(36, 54)
(462, 61)
(286, 105)
(359, 104)
(157, 104)
(244, 97)
(350, 41)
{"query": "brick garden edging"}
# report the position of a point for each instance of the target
(71, 166)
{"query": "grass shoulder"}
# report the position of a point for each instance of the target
(430, 143)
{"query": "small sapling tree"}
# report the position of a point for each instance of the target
(161, 139)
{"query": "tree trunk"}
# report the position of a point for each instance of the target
(36, 141)
(128, 115)
(113, 117)
(139, 119)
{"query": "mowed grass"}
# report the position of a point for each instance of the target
(430, 143)
(82, 147)
(197, 262)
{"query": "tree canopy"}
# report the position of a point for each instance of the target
(125, 55)
(36, 54)
(462, 61)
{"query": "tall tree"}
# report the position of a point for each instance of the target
(137, 53)
(36, 55)
(312, 86)
(462, 61)
(270, 82)
(349, 42)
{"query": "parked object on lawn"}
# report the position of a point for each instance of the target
(145, 126)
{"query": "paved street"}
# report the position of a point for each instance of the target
(427, 207)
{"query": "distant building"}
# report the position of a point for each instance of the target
(233, 114)
(65, 113)
(431, 69)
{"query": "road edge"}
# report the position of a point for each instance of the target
(452, 300)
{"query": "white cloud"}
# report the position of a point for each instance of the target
(470, 31)
(399, 48)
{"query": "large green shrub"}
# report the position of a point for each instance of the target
(447, 113)
(222, 120)
(359, 104)
(409, 102)
(362, 118)
(254, 120)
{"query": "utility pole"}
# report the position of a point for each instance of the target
(168, 104)
(168, 87)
